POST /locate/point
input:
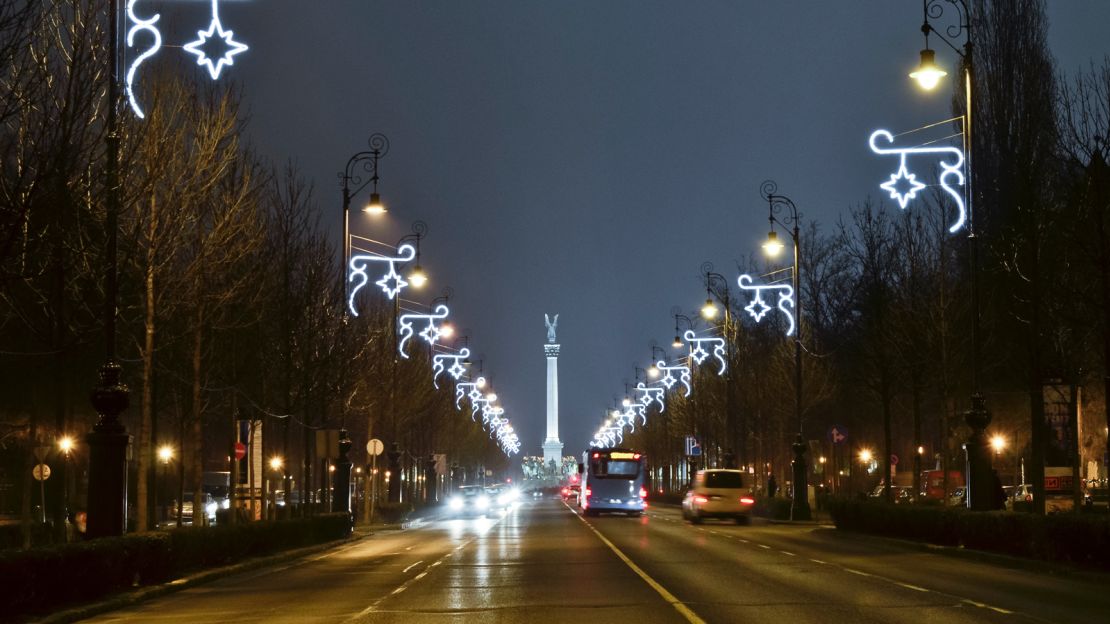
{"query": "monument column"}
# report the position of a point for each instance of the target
(552, 447)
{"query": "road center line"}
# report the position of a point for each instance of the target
(406, 570)
(659, 589)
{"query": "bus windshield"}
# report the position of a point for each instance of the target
(615, 466)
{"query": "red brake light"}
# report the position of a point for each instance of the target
(643, 493)
(588, 492)
(701, 500)
(636, 456)
(566, 491)
(1028, 498)
(747, 500)
(596, 455)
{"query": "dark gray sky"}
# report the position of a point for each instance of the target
(584, 157)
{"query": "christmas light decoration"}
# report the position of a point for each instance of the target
(430, 333)
(468, 389)
(215, 30)
(952, 168)
(758, 308)
(391, 283)
(139, 25)
(668, 378)
(650, 394)
(698, 352)
(456, 369)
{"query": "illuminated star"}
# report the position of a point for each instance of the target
(215, 29)
(431, 333)
(392, 282)
(892, 185)
(758, 308)
(699, 354)
(668, 380)
(456, 370)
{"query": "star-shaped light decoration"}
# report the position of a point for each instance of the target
(431, 333)
(893, 185)
(215, 30)
(758, 308)
(392, 282)
(698, 354)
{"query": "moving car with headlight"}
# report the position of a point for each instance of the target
(718, 493)
(469, 501)
(612, 481)
(502, 496)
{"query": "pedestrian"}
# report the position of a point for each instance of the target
(772, 486)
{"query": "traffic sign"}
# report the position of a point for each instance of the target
(838, 434)
(375, 447)
(41, 472)
(893, 459)
(693, 447)
(240, 450)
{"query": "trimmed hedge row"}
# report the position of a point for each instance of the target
(48, 578)
(1069, 538)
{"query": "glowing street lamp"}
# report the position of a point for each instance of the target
(998, 443)
(678, 316)
(709, 310)
(66, 444)
(276, 463)
(773, 247)
(865, 456)
(653, 370)
(928, 74)
(165, 453)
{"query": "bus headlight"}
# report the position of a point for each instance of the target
(455, 503)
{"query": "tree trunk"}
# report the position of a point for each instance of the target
(145, 455)
(199, 517)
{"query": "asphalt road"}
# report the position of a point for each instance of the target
(544, 563)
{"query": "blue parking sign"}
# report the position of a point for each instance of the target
(693, 447)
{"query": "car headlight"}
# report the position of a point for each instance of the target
(482, 502)
(455, 502)
(226, 503)
(211, 509)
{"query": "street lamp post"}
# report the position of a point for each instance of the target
(789, 221)
(928, 75)
(165, 454)
(417, 279)
(65, 444)
(731, 456)
(351, 176)
(108, 440)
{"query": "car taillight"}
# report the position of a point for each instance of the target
(747, 500)
(588, 492)
(643, 493)
(701, 500)
(1028, 498)
(566, 491)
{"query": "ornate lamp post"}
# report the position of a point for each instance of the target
(709, 312)
(352, 176)
(776, 205)
(678, 316)
(928, 75)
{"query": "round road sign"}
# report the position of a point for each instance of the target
(375, 447)
(40, 472)
(240, 450)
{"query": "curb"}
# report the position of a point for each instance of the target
(142, 594)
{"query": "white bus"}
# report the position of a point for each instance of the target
(612, 481)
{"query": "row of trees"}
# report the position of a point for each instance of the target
(886, 300)
(231, 303)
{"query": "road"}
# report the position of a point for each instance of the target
(544, 563)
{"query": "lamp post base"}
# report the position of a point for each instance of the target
(980, 481)
(108, 442)
(341, 499)
(799, 508)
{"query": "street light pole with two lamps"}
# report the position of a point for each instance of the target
(734, 450)
(789, 221)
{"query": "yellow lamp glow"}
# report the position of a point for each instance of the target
(773, 247)
(375, 205)
(928, 75)
(709, 310)
(653, 371)
(276, 463)
(418, 278)
(865, 456)
(165, 453)
(677, 344)
(446, 330)
(65, 444)
(998, 443)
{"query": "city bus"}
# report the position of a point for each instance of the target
(612, 481)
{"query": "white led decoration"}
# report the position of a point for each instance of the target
(468, 389)
(215, 30)
(391, 283)
(455, 370)
(431, 331)
(650, 394)
(758, 308)
(139, 25)
(668, 379)
(698, 352)
(948, 169)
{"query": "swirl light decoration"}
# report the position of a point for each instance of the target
(668, 379)
(139, 25)
(455, 370)
(469, 389)
(391, 283)
(698, 352)
(758, 308)
(950, 168)
(215, 30)
(647, 395)
(431, 331)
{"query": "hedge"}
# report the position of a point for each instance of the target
(1069, 538)
(48, 578)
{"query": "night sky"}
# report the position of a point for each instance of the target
(583, 157)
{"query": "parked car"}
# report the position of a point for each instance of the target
(718, 493)
(210, 507)
(958, 497)
(1019, 496)
(1097, 493)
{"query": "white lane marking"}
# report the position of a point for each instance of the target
(764, 546)
(857, 572)
(420, 576)
(742, 540)
(397, 591)
(788, 553)
(819, 561)
(374, 605)
(406, 570)
(678, 605)
(913, 587)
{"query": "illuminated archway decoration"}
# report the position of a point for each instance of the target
(391, 283)
(431, 331)
(758, 308)
(139, 25)
(698, 352)
(215, 30)
(455, 370)
(668, 378)
(949, 169)
(650, 394)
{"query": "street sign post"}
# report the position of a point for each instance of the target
(373, 448)
(693, 446)
(41, 472)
